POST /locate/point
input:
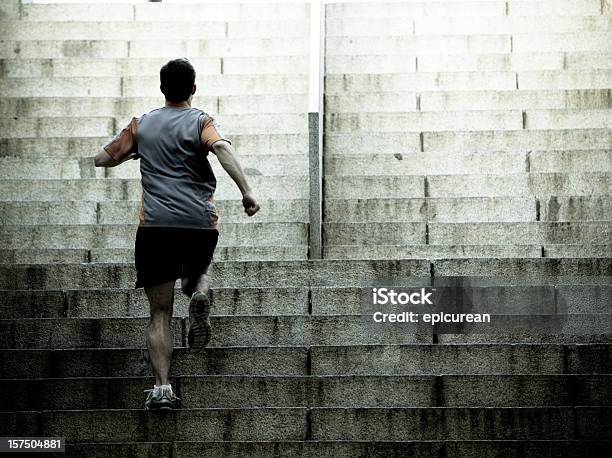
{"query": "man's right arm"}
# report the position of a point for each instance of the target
(122, 147)
(225, 153)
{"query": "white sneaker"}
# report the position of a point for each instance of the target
(161, 397)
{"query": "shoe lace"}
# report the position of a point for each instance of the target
(168, 392)
(164, 392)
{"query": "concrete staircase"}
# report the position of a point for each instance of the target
(69, 86)
(465, 139)
(468, 129)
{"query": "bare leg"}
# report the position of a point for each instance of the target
(159, 334)
(189, 285)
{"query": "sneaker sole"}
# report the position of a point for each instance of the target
(166, 405)
(199, 333)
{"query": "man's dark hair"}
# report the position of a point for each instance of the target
(177, 78)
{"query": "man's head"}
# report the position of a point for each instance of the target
(177, 79)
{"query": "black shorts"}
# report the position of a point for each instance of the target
(163, 254)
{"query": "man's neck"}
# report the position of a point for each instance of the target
(184, 104)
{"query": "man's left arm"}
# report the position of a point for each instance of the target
(122, 147)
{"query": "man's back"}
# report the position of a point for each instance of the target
(177, 180)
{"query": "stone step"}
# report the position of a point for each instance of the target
(413, 359)
(59, 168)
(244, 124)
(500, 62)
(91, 303)
(485, 233)
(465, 251)
(73, 13)
(418, 44)
(469, 209)
(529, 271)
(126, 302)
(340, 187)
(516, 62)
(496, 42)
(399, 424)
(263, 65)
(563, 184)
(570, 8)
(477, 141)
(436, 163)
(556, 42)
(431, 209)
(119, 107)
(453, 81)
(130, 189)
(415, 9)
(551, 161)
(163, 13)
(412, 163)
(510, 358)
(526, 335)
(331, 449)
(575, 208)
(126, 255)
(100, 28)
(293, 330)
(315, 391)
(133, 362)
(243, 274)
(568, 119)
(545, 24)
(571, 79)
(122, 235)
(555, 102)
(577, 251)
(327, 272)
(126, 212)
(459, 423)
(408, 44)
(464, 8)
(425, 121)
(465, 100)
(522, 140)
(57, 127)
(208, 424)
(85, 147)
(438, 251)
(517, 184)
(299, 252)
(234, 84)
(70, 67)
(338, 84)
(214, 47)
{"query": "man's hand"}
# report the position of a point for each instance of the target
(229, 162)
(250, 204)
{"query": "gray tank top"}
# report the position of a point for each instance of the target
(178, 182)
